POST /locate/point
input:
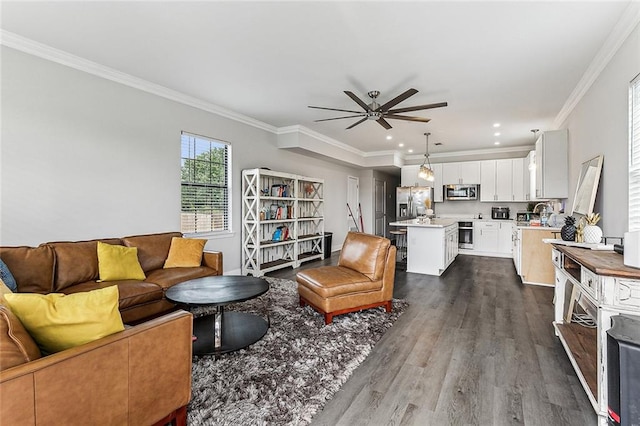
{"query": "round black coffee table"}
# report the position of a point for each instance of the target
(222, 331)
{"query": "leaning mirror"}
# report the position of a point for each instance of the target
(587, 186)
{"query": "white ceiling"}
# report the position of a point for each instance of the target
(515, 63)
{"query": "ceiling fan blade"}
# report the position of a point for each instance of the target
(357, 100)
(338, 118)
(335, 109)
(407, 118)
(417, 108)
(356, 123)
(395, 101)
(381, 121)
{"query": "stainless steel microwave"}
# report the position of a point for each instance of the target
(461, 192)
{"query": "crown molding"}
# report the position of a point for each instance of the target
(627, 23)
(44, 51)
(473, 152)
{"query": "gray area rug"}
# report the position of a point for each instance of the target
(288, 376)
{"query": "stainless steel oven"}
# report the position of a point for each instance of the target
(465, 235)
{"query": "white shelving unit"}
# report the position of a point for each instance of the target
(275, 202)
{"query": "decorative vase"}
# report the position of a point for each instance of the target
(592, 234)
(568, 231)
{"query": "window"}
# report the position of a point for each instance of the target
(205, 185)
(634, 155)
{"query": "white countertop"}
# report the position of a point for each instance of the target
(434, 223)
(539, 228)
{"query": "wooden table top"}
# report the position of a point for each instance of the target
(601, 262)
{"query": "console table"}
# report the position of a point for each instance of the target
(605, 287)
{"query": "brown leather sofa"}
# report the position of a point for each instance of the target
(362, 279)
(139, 376)
(71, 267)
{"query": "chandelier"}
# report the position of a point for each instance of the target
(426, 172)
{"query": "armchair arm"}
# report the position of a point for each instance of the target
(137, 376)
(389, 274)
(213, 259)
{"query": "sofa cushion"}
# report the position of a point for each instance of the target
(130, 292)
(77, 262)
(153, 249)
(117, 262)
(185, 253)
(165, 278)
(33, 268)
(331, 281)
(58, 321)
(16, 345)
(365, 253)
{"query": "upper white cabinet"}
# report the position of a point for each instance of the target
(552, 168)
(409, 175)
(530, 176)
(520, 174)
(502, 180)
(467, 172)
(438, 195)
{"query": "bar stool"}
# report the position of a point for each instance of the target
(400, 243)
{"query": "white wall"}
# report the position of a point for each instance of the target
(599, 124)
(82, 157)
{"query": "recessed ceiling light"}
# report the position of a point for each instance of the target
(400, 145)
(496, 125)
(389, 137)
(496, 134)
(496, 143)
(410, 151)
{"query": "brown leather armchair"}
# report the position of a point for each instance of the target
(362, 279)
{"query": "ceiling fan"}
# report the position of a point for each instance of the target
(379, 113)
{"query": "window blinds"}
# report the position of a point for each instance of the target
(634, 155)
(204, 184)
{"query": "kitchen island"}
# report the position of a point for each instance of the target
(431, 245)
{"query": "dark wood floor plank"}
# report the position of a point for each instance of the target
(475, 347)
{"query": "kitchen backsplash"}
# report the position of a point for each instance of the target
(465, 208)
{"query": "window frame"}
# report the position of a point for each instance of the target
(210, 234)
(634, 155)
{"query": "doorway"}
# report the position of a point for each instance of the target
(353, 201)
(380, 207)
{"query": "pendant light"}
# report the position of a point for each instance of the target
(426, 172)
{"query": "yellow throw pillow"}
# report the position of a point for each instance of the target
(185, 253)
(58, 321)
(118, 263)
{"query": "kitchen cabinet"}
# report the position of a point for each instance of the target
(467, 172)
(493, 237)
(516, 248)
(518, 168)
(502, 180)
(438, 193)
(552, 166)
(430, 248)
(529, 176)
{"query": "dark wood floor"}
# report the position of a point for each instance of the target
(475, 347)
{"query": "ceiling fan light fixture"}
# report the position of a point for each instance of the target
(426, 172)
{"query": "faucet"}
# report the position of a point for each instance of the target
(545, 211)
(546, 204)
